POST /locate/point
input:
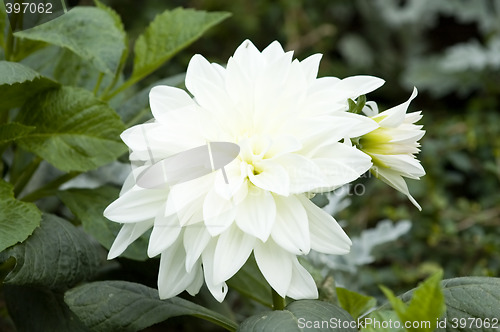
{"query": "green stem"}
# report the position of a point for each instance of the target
(26, 175)
(16, 19)
(98, 83)
(279, 302)
(49, 188)
(127, 84)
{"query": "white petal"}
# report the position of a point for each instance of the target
(326, 234)
(404, 164)
(342, 164)
(172, 277)
(218, 213)
(164, 99)
(393, 117)
(272, 177)
(302, 285)
(219, 290)
(275, 264)
(256, 214)
(165, 231)
(232, 251)
(195, 286)
(196, 239)
(395, 180)
(136, 205)
(291, 229)
(355, 86)
(310, 65)
(128, 234)
(273, 51)
(304, 174)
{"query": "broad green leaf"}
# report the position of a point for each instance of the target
(124, 306)
(381, 321)
(426, 304)
(305, 315)
(250, 282)
(355, 304)
(74, 130)
(19, 83)
(18, 219)
(89, 32)
(136, 109)
(88, 206)
(170, 32)
(39, 310)
(472, 299)
(57, 255)
(12, 131)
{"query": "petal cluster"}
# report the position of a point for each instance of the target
(394, 144)
(293, 132)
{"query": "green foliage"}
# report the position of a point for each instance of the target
(91, 33)
(19, 83)
(354, 303)
(302, 315)
(88, 205)
(170, 32)
(427, 303)
(74, 130)
(17, 219)
(124, 306)
(56, 256)
(12, 131)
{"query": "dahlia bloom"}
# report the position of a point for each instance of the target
(292, 130)
(394, 144)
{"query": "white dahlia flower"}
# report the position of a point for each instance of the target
(288, 126)
(394, 144)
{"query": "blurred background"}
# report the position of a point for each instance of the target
(449, 50)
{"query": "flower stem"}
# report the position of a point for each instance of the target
(278, 301)
(26, 175)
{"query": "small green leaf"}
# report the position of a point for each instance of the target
(305, 315)
(74, 130)
(18, 219)
(170, 32)
(124, 306)
(427, 303)
(380, 321)
(472, 299)
(88, 206)
(12, 131)
(250, 282)
(89, 32)
(57, 255)
(354, 303)
(19, 83)
(40, 309)
(356, 107)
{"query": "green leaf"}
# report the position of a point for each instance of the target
(88, 206)
(472, 299)
(89, 32)
(250, 282)
(18, 219)
(74, 130)
(12, 131)
(170, 32)
(380, 321)
(40, 310)
(427, 303)
(57, 255)
(305, 315)
(124, 306)
(19, 83)
(355, 304)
